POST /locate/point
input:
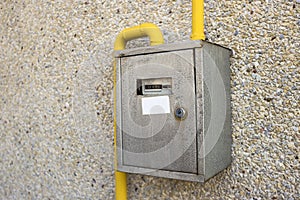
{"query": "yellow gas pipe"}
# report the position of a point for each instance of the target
(144, 30)
(198, 20)
(156, 38)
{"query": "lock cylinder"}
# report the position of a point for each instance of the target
(180, 113)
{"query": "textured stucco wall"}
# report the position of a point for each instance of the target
(56, 131)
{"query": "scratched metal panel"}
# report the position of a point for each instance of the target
(217, 109)
(159, 141)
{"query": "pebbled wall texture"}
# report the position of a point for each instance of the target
(56, 81)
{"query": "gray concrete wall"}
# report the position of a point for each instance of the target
(56, 130)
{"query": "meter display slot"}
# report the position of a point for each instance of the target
(155, 86)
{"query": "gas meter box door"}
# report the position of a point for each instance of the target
(161, 98)
(153, 87)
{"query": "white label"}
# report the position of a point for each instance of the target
(155, 105)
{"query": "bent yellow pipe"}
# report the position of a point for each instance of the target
(198, 20)
(143, 30)
(156, 38)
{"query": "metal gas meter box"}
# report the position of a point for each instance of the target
(173, 110)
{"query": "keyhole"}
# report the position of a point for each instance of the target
(180, 113)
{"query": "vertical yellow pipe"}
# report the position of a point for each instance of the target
(156, 38)
(120, 177)
(198, 20)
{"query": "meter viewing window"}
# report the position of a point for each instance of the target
(155, 86)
